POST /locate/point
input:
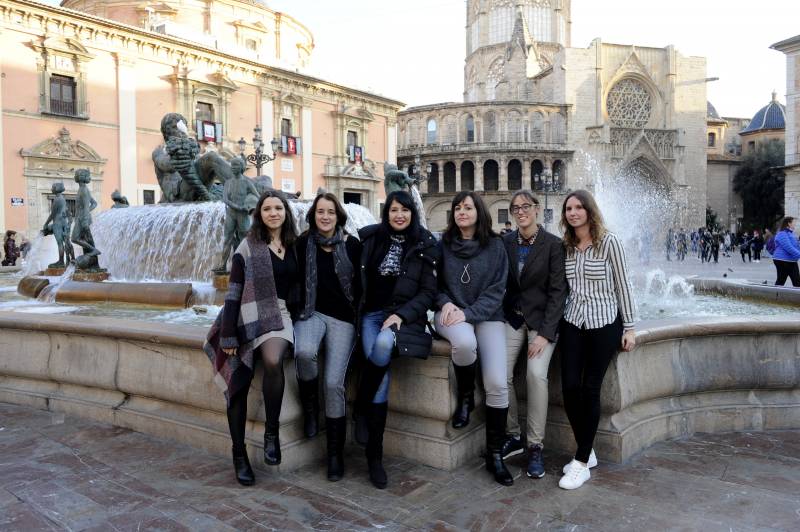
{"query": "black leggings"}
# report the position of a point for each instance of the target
(585, 356)
(271, 354)
(787, 269)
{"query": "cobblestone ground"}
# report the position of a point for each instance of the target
(730, 267)
(63, 473)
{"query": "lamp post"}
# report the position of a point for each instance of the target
(416, 171)
(259, 158)
(548, 184)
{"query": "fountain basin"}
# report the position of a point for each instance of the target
(742, 289)
(77, 292)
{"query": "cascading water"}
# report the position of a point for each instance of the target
(420, 206)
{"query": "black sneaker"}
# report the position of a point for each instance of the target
(535, 463)
(512, 446)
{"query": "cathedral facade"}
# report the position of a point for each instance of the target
(541, 114)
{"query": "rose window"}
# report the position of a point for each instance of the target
(629, 104)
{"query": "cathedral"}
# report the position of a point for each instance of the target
(539, 113)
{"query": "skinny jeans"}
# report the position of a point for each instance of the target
(586, 354)
(339, 337)
(536, 384)
(378, 345)
(786, 269)
(487, 338)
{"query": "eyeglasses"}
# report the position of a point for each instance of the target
(525, 207)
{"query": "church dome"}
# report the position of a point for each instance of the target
(771, 116)
(711, 112)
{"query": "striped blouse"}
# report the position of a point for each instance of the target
(599, 285)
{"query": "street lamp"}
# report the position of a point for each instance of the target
(549, 184)
(416, 173)
(259, 158)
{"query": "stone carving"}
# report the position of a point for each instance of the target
(81, 230)
(58, 224)
(184, 174)
(120, 201)
(240, 196)
(629, 104)
(395, 179)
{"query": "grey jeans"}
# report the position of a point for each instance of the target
(339, 339)
(487, 338)
(517, 341)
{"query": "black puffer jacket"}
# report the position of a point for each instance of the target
(415, 289)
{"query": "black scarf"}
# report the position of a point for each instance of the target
(341, 264)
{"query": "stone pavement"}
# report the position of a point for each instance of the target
(731, 267)
(64, 473)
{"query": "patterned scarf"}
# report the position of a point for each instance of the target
(390, 266)
(341, 264)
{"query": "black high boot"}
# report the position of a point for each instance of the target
(237, 420)
(376, 423)
(336, 430)
(309, 393)
(465, 394)
(371, 379)
(272, 443)
(495, 434)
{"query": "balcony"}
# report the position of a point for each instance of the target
(477, 147)
(70, 109)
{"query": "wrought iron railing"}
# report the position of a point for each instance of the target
(75, 109)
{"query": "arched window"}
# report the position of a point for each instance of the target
(493, 78)
(501, 22)
(449, 176)
(432, 132)
(491, 175)
(539, 20)
(467, 175)
(537, 169)
(413, 132)
(470, 126)
(559, 174)
(490, 127)
(514, 175)
(433, 178)
(629, 104)
(712, 140)
(472, 85)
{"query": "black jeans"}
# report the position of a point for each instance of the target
(787, 269)
(585, 356)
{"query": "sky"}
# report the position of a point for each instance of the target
(413, 50)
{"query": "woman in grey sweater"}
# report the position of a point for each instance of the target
(472, 282)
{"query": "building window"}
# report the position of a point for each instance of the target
(71, 200)
(629, 104)
(751, 145)
(62, 95)
(431, 138)
(712, 140)
(502, 216)
(286, 127)
(352, 138)
(149, 197)
(470, 129)
(251, 44)
(501, 22)
(204, 112)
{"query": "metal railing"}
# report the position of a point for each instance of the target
(428, 149)
(73, 108)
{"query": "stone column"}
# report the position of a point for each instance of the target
(526, 174)
(126, 102)
(3, 159)
(268, 131)
(503, 175)
(307, 132)
(391, 141)
(458, 175)
(478, 175)
(441, 176)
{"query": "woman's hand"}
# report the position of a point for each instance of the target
(628, 340)
(394, 319)
(451, 315)
(230, 351)
(537, 346)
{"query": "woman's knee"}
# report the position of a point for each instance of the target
(464, 349)
(382, 349)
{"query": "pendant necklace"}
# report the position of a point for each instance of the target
(465, 277)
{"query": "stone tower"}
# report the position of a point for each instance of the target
(510, 42)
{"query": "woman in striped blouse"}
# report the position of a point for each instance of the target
(598, 320)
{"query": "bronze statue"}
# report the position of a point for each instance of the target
(120, 201)
(240, 196)
(394, 179)
(184, 174)
(58, 224)
(81, 231)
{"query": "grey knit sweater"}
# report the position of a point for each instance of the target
(476, 284)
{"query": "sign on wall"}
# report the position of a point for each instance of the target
(287, 185)
(287, 165)
(17, 202)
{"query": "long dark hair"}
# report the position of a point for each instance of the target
(403, 198)
(341, 214)
(483, 225)
(785, 222)
(260, 231)
(594, 218)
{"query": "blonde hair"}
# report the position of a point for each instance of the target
(597, 228)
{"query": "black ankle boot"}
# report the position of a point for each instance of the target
(309, 391)
(241, 465)
(376, 423)
(371, 379)
(495, 434)
(465, 386)
(272, 448)
(336, 429)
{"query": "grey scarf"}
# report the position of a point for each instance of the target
(341, 264)
(465, 249)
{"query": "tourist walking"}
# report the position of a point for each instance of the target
(398, 261)
(472, 281)
(787, 252)
(598, 320)
(536, 290)
(744, 247)
(328, 303)
(682, 246)
(263, 276)
(10, 248)
(757, 244)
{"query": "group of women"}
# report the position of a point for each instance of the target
(494, 299)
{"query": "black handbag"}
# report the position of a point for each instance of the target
(411, 341)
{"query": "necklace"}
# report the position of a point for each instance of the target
(277, 248)
(465, 277)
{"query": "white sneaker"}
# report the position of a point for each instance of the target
(591, 463)
(575, 477)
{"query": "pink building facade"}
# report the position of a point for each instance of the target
(81, 91)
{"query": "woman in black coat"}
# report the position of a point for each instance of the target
(398, 260)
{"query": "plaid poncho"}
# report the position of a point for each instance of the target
(252, 297)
